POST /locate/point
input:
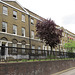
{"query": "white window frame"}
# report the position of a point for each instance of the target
(39, 48)
(49, 48)
(23, 31)
(5, 10)
(14, 14)
(62, 34)
(23, 18)
(15, 29)
(5, 23)
(32, 21)
(65, 35)
(23, 50)
(14, 49)
(32, 34)
(33, 47)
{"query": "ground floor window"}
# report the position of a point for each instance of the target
(33, 47)
(39, 51)
(23, 48)
(14, 48)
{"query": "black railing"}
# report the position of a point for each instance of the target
(17, 53)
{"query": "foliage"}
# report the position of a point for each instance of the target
(70, 45)
(47, 31)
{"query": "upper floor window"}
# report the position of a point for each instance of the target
(5, 10)
(62, 34)
(14, 29)
(32, 21)
(4, 27)
(32, 34)
(23, 18)
(15, 14)
(23, 31)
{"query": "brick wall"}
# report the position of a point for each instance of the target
(35, 68)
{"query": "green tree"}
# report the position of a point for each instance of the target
(70, 46)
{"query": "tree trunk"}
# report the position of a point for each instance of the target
(51, 51)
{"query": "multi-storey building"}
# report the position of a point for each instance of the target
(18, 28)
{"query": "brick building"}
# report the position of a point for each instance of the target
(18, 28)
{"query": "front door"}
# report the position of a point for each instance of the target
(3, 49)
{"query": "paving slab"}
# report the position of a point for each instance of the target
(70, 71)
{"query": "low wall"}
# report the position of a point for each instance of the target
(35, 68)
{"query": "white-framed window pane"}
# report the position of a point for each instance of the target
(32, 34)
(14, 29)
(33, 47)
(45, 47)
(14, 49)
(39, 51)
(62, 34)
(23, 18)
(32, 21)
(23, 31)
(4, 27)
(49, 48)
(23, 50)
(15, 14)
(5, 10)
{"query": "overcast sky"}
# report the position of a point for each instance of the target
(61, 11)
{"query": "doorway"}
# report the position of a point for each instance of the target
(3, 49)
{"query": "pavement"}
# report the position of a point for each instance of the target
(70, 71)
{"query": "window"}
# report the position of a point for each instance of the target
(65, 35)
(49, 48)
(32, 21)
(5, 10)
(15, 14)
(62, 34)
(45, 47)
(14, 29)
(39, 50)
(23, 18)
(4, 27)
(14, 49)
(23, 50)
(33, 47)
(23, 31)
(32, 34)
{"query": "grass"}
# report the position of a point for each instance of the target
(33, 60)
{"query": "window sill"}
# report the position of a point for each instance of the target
(23, 21)
(15, 18)
(4, 32)
(5, 14)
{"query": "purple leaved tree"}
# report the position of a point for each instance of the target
(47, 31)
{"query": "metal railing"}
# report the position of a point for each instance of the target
(17, 53)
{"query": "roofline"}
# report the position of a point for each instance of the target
(19, 10)
(34, 13)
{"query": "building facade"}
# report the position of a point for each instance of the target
(18, 28)
(14, 26)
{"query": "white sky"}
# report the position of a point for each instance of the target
(61, 11)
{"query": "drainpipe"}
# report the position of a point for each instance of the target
(29, 35)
